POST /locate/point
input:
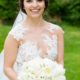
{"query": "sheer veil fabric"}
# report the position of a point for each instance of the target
(20, 17)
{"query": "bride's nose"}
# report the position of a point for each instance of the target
(35, 3)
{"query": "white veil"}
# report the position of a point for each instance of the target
(20, 17)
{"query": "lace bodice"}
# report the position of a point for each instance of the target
(29, 49)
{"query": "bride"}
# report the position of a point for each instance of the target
(31, 37)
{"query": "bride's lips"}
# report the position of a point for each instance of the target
(34, 10)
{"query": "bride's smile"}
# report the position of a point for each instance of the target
(35, 10)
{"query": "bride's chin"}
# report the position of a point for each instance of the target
(35, 16)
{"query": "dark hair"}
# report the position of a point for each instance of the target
(22, 5)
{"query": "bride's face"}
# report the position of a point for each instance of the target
(34, 8)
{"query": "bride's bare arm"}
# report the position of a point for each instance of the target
(10, 54)
(60, 56)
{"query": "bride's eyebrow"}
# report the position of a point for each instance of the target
(40, 0)
(29, 0)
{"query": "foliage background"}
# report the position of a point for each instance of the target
(8, 11)
(65, 10)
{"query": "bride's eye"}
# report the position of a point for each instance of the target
(28, 0)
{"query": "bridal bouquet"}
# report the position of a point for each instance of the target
(41, 69)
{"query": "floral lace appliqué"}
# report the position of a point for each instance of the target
(52, 44)
(18, 32)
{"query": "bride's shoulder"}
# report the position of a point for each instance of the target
(55, 28)
(17, 32)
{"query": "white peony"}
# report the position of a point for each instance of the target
(41, 69)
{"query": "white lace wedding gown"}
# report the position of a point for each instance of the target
(30, 49)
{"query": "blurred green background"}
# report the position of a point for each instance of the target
(65, 13)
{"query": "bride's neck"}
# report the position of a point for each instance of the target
(34, 22)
